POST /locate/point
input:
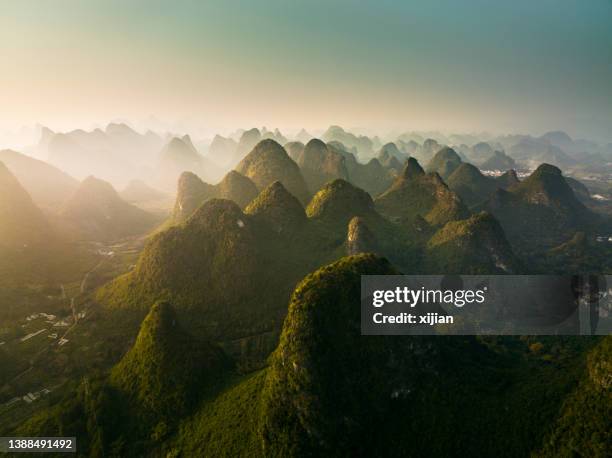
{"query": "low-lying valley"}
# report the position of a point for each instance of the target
(165, 296)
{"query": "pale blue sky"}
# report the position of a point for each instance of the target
(524, 65)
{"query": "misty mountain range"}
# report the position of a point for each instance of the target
(204, 302)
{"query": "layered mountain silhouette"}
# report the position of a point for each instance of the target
(275, 135)
(236, 187)
(193, 192)
(248, 140)
(303, 136)
(534, 151)
(390, 156)
(363, 145)
(444, 162)
(471, 185)
(372, 176)
(96, 212)
(279, 209)
(481, 152)
(541, 211)
(507, 179)
(139, 191)
(211, 267)
(47, 185)
(294, 150)
(417, 194)
(498, 161)
(425, 152)
(116, 153)
(179, 156)
(320, 164)
(234, 359)
(22, 224)
(224, 151)
(196, 263)
(581, 192)
(269, 162)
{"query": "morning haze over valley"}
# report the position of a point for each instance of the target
(191, 194)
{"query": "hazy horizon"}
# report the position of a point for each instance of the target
(377, 67)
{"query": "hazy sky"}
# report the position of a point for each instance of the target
(521, 65)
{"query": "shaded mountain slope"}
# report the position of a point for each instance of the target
(193, 192)
(329, 391)
(320, 164)
(96, 212)
(541, 211)
(359, 238)
(337, 202)
(210, 267)
(584, 425)
(415, 193)
(498, 161)
(444, 162)
(476, 245)
(471, 185)
(372, 176)
(294, 150)
(279, 209)
(46, 184)
(507, 179)
(178, 156)
(166, 370)
(22, 224)
(223, 151)
(390, 156)
(269, 162)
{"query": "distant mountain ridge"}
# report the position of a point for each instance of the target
(541, 211)
(46, 184)
(22, 224)
(180, 155)
(415, 193)
(96, 212)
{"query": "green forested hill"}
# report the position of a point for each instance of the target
(328, 391)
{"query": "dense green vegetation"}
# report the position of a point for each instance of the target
(269, 162)
(320, 164)
(584, 426)
(331, 392)
(540, 212)
(471, 185)
(476, 245)
(193, 192)
(416, 194)
(166, 370)
(372, 176)
(195, 352)
(444, 162)
(279, 209)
